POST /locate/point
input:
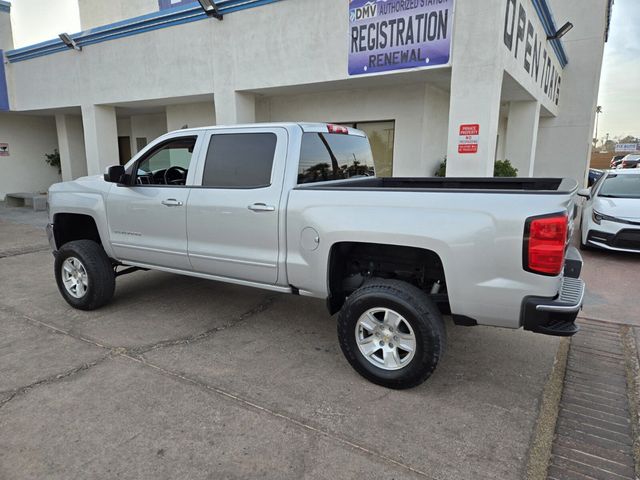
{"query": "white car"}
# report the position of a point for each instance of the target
(611, 212)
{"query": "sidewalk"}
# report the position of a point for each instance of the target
(596, 434)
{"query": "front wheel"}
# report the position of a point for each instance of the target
(391, 333)
(84, 274)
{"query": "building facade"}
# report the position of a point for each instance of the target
(469, 81)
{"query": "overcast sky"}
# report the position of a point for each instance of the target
(620, 83)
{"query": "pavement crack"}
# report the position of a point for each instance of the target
(138, 351)
(14, 252)
(17, 392)
(250, 404)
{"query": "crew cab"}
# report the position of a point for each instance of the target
(296, 208)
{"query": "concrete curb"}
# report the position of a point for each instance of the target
(542, 439)
(632, 368)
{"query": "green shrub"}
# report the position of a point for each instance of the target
(442, 169)
(502, 168)
(53, 159)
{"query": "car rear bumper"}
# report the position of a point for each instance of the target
(556, 315)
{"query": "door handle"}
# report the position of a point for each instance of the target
(261, 207)
(171, 202)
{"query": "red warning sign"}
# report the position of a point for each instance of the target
(469, 135)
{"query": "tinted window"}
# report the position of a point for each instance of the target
(239, 160)
(621, 186)
(326, 157)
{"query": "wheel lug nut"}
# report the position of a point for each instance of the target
(395, 337)
(391, 345)
(382, 344)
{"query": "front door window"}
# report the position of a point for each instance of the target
(168, 164)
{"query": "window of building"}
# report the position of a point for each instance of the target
(381, 137)
(239, 160)
(326, 156)
(141, 142)
(168, 164)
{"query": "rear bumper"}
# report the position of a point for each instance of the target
(556, 316)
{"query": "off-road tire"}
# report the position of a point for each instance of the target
(99, 269)
(417, 309)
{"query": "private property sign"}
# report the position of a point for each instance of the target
(387, 35)
(469, 136)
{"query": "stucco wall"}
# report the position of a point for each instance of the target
(147, 126)
(94, 13)
(6, 38)
(29, 138)
(564, 142)
(282, 49)
(193, 115)
(420, 113)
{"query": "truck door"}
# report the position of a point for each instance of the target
(233, 216)
(147, 217)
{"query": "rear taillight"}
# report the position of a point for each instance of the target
(545, 239)
(337, 129)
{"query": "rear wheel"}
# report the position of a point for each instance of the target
(84, 274)
(391, 333)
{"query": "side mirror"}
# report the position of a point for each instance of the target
(584, 192)
(114, 174)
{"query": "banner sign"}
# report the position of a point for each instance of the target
(526, 40)
(387, 35)
(626, 147)
(4, 149)
(469, 136)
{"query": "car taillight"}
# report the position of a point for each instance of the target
(545, 239)
(337, 129)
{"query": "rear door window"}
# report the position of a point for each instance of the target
(332, 156)
(239, 160)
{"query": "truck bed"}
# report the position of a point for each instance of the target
(545, 186)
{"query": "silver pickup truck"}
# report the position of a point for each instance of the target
(297, 208)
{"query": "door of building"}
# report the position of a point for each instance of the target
(124, 149)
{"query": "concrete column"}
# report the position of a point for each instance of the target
(234, 107)
(476, 102)
(522, 136)
(73, 158)
(476, 85)
(100, 137)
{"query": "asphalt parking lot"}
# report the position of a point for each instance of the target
(186, 378)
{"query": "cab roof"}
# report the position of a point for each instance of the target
(307, 127)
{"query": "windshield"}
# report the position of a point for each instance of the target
(621, 186)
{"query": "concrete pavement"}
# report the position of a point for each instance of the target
(186, 378)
